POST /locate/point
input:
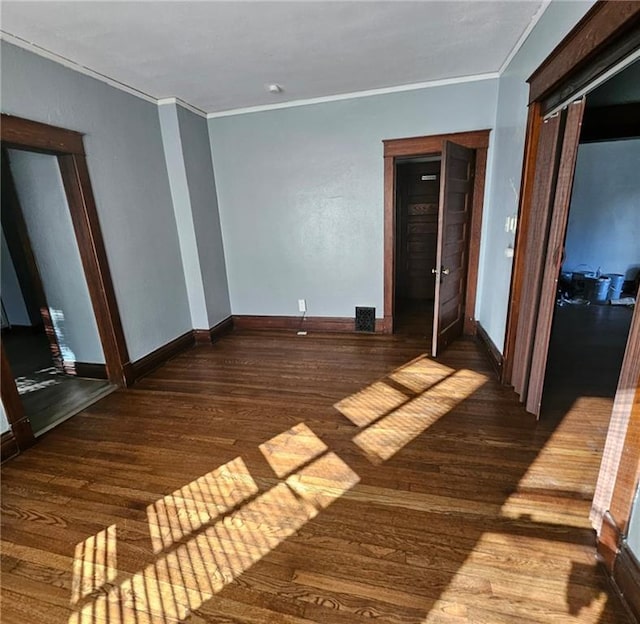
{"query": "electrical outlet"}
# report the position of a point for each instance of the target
(302, 305)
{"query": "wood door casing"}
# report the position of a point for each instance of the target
(553, 255)
(531, 254)
(454, 217)
(417, 229)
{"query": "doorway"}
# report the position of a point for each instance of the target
(598, 280)
(417, 198)
(50, 335)
(434, 189)
(64, 149)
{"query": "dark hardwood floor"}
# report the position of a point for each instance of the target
(334, 479)
(48, 395)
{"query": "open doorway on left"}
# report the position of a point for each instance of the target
(49, 331)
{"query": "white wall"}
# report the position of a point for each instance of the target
(46, 213)
(12, 298)
(510, 128)
(604, 220)
(129, 178)
(301, 193)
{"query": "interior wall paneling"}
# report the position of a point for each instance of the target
(553, 255)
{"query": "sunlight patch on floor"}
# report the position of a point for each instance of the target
(181, 513)
(557, 467)
(371, 403)
(289, 450)
(208, 532)
(387, 436)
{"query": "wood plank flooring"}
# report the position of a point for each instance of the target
(272, 478)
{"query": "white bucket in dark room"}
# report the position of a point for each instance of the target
(615, 288)
(596, 289)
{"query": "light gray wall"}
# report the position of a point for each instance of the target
(206, 218)
(188, 155)
(184, 218)
(510, 128)
(10, 291)
(301, 194)
(130, 183)
(633, 535)
(604, 220)
(4, 423)
(46, 213)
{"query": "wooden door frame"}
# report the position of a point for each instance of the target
(68, 147)
(430, 146)
(597, 43)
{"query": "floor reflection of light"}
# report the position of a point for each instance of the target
(421, 374)
(186, 510)
(387, 436)
(543, 477)
(95, 564)
(522, 568)
(210, 531)
(369, 404)
(289, 450)
(217, 551)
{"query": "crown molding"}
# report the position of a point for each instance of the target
(355, 94)
(63, 60)
(87, 71)
(525, 35)
(174, 100)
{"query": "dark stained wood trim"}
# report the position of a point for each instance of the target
(20, 425)
(605, 24)
(90, 370)
(475, 233)
(608, 542)
(626, 576)
(493, 353)
(389, 241)
(8, 446)
(39, 137)
(296, 323)
(538, 215)
(67, 145)
(534, 123)
(628, 472)
(420, 146)
(84, 215)
(620, 466)
(206, 336)
(610, 123)
(553, 256)
(155, 359)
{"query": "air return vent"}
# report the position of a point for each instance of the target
(365, 319)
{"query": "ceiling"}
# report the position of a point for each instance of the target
(219, 56)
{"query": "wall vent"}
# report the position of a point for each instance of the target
(365, 319)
